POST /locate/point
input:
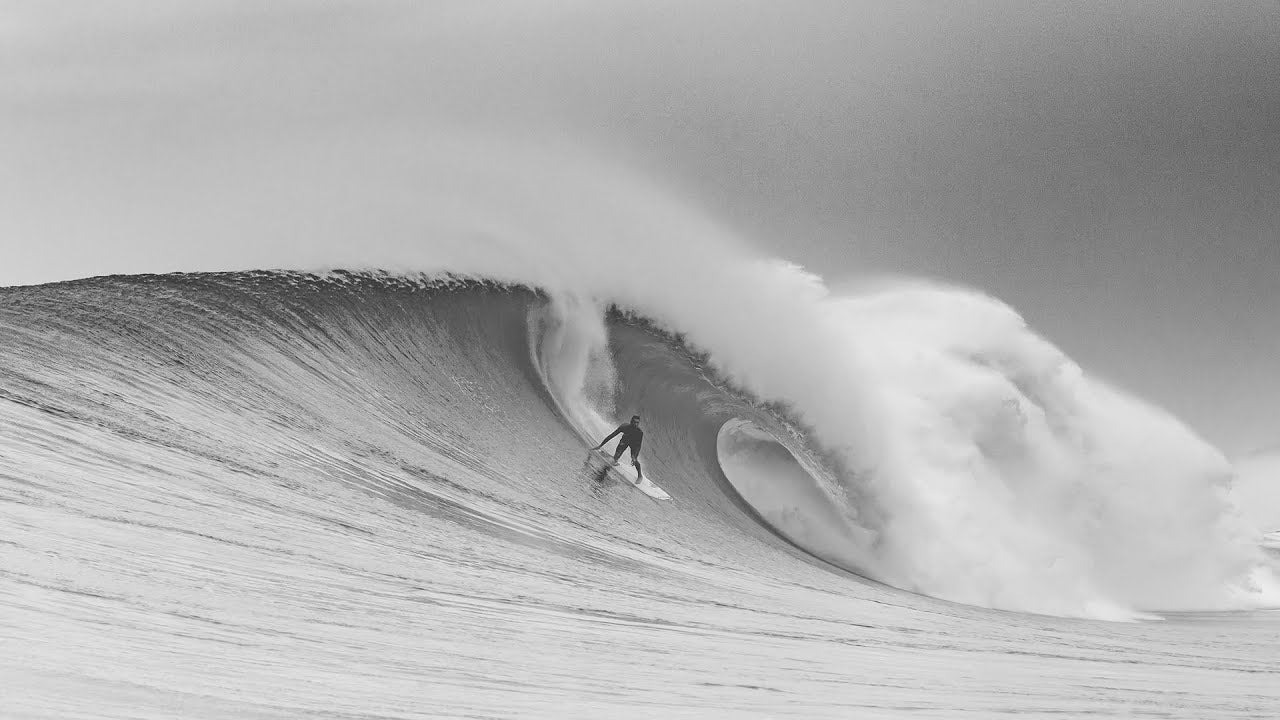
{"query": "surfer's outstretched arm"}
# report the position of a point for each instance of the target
(615, 432)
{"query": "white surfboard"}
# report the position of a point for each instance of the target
(627, 475)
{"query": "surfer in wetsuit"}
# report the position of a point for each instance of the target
(632, 437)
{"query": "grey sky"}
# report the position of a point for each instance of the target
(1112, 170)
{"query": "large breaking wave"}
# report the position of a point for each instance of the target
(945, 449)
(972, 458)
(917, 435)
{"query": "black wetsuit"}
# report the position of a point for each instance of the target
(632, 437)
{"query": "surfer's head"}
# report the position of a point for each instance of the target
(635, 419)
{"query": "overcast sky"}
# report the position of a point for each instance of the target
(1112, 170)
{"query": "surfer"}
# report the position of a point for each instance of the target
(632, 437)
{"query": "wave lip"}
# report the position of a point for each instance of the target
(787, 493)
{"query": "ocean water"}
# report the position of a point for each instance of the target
(267, 495)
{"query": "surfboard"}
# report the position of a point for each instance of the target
(645, 485)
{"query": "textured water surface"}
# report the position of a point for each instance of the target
(265, 496)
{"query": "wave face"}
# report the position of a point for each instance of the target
(354, 482)
(995, 475)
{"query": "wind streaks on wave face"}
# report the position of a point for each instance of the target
(266, 497)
